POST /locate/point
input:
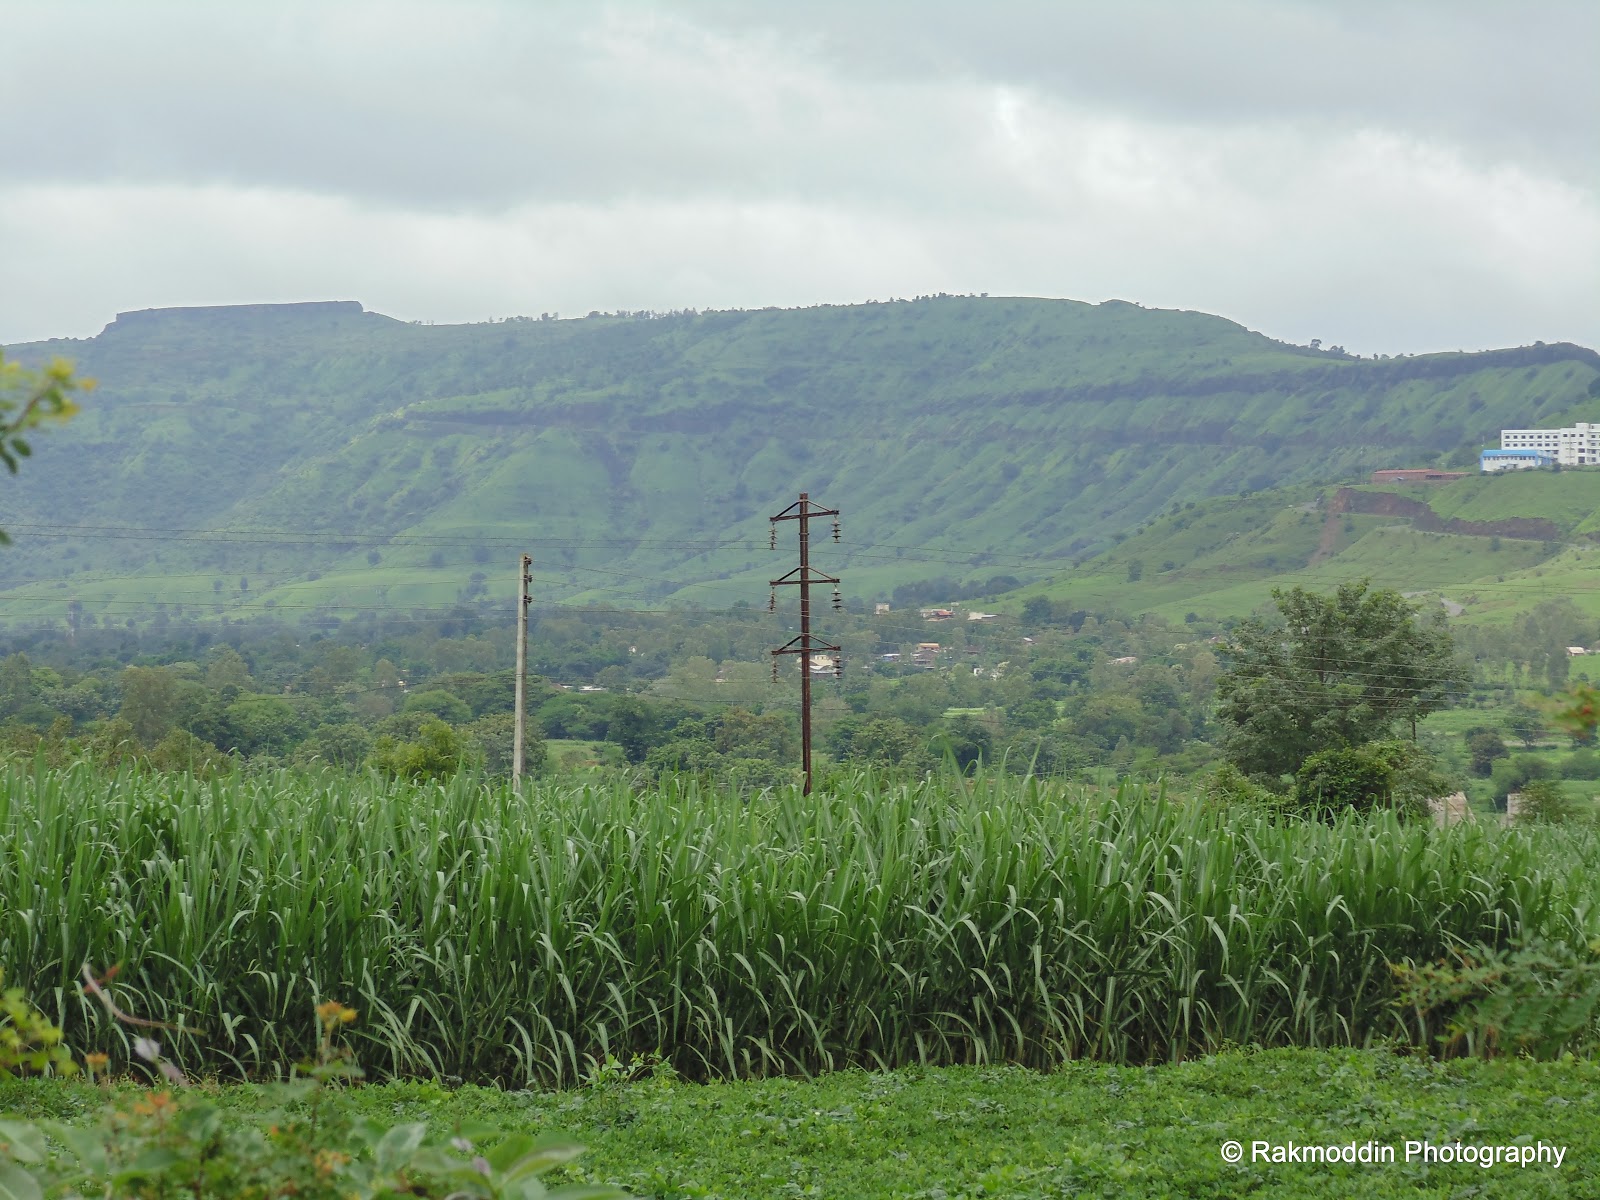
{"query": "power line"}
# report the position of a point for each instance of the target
(365, 538)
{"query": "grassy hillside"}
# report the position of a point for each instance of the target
(385, 464)
(1223, 556)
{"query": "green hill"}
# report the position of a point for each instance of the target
(309, 455)
(1490, 546)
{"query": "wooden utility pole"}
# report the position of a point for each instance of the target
(805, 645)
(525, 578)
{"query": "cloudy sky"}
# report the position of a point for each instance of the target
(1386, 174)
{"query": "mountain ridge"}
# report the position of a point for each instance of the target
(960, 436)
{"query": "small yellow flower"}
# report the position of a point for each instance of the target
(328, 1161)
(97, 1062)
(332, 1012)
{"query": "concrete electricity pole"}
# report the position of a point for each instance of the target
(805, 645)
(525, 579)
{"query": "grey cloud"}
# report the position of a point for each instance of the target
(489, 105)
(1511, 80)
(507, 104)
(1393, 176)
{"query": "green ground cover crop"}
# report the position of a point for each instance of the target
(520, 938)
(1084, 1130)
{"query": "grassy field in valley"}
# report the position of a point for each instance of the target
(1223, 556)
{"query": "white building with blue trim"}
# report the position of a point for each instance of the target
(1490, 461)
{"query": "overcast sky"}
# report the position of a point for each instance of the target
(1387, 175)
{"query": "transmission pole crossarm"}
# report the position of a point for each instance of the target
(805, 574)
(803, 508)
(805, 643)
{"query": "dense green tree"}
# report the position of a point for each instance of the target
(264, 725)
(493, 692)
(1417, 776)
(970, 742)
(1483, 747)
(1031, 714)
(493, 738)
(744, 734)
(1059, 668)
(17, 687)
(402, 726)
(1557, 668)
(1036, 611)
(1046, 754)
(1333, 672)
(85, 699)
(439, 703)
(690, 750)
(572, 717)
(1581, 764)
(344, 745)
(342, 663)
(1106, 718)
(1526, 724)
(227, 668)
(150, 699)
(879, 742)
(180, 751)
(113, 744)
(630, 727)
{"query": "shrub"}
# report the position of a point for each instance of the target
(1332, 781)
(1417, 776)
(180, 752)
(1581, 764)
(1513, 775)
(436, 754)
(1540, 998)
(168, 1144)
(1545, 802)
(1227, 785)
(29, 1042)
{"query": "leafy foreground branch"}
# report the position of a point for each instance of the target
(28, 399)
(306, 1142)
